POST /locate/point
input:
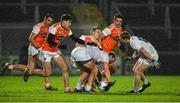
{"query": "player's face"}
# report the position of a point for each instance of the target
(48, 21)
(118, 22)
(66, 23)
(125, 40)
(112, 59)
(97, 33)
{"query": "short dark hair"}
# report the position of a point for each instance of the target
(125, 35)
(66, 17)
(95, 28)
(49, 15)
(112, 54)
(118, 15)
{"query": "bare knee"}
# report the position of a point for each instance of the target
(65, 69)
(48, 74)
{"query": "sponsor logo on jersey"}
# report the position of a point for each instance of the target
(44, 35)
(60, 37)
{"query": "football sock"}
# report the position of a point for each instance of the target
(145, 81)
(82, 85)
(135, 89)
(78, 87)
(88, 88)
(47, 84)
(66, 86)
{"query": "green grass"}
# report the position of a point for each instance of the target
(163, 88)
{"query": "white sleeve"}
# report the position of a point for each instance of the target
(83, 37)
(52, 30)
(36, 30)
(106, 32)
(136, 44)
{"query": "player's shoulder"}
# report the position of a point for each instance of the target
(134, 39)
(110, 26)
(40, 24)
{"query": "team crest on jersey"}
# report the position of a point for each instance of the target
(60, 37)
(43, 35)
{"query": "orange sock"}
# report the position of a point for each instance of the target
(66, 84)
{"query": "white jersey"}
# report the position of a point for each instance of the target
(89, 52)
(137, 43)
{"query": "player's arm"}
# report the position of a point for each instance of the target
(135, 55)
(145, 53)
(34, 33)
(50, 39)
(51, 36)
(107, 72)
(80, 41)
(76, 39)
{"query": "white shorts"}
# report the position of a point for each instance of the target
(32, 51)
(148, 62)
(46, 56)
(80, 54)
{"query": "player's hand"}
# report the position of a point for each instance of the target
(124, 32)
(156, 64)
(127, 58)
(70, 33)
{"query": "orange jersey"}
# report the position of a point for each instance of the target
(60, 34)
(89, 39)
(109, 43)
(41, 31)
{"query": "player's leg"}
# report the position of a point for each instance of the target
(91, 66)
(138, 70)
(112, 68)
(32, 63)
(80, 84)
(137, 76)
(19, 67)
(146, 83)
(144, 79)
(47, 70)
(61, 62)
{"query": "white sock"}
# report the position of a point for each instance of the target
(88, 88)
(82, 85)
(135, 89)
(66, 88)
(78, 87)
(47, 84)
(145, 81)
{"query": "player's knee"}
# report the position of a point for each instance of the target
(95, 70)
(30, 67)
(65, 69)
(137, 72)
(48, 74)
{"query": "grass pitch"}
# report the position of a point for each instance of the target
(13, 88)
